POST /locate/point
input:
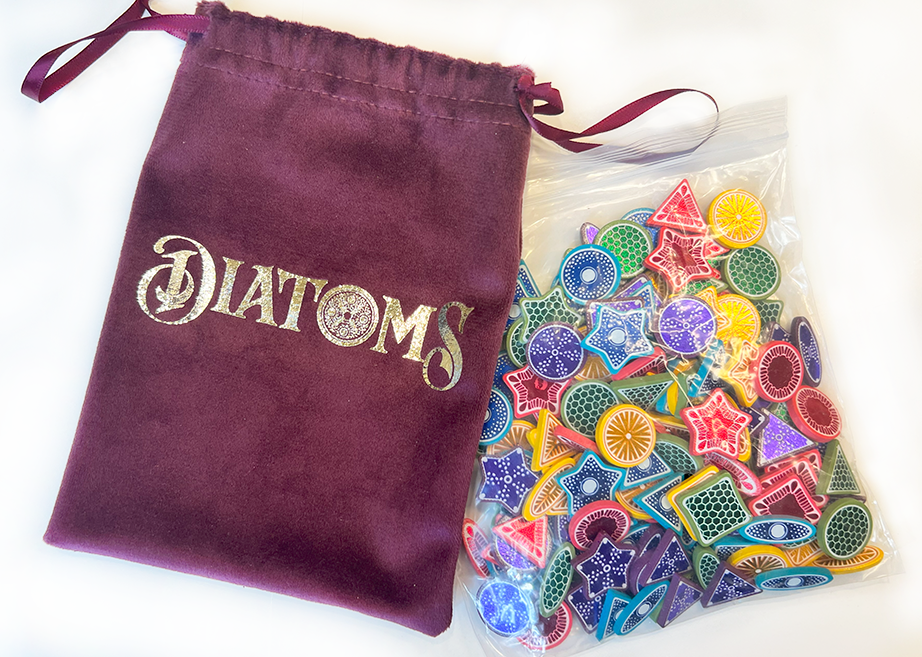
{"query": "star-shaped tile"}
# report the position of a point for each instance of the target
(683, 258)
(680, 210)
(715, 426)
(587, 611)
(737, 371)
(618, 337)
(506, 479)
(552, 307)
(548, 449)
(531, 393)
(628, 303)
(655, 363)
(604, 566)
(590, 481)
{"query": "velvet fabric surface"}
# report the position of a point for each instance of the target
(296, 359)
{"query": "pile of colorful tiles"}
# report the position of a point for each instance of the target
(656, 438)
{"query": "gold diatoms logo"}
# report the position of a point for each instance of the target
(346, 315)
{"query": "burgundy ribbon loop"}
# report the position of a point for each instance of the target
(39, 85)
(553, 103)
(528, 92)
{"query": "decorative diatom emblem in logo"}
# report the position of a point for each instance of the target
(347, 315)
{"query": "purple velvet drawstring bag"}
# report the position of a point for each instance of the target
(296, 359)
(295, 363)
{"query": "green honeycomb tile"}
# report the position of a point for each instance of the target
(629, 242)
(836, 476)
(515, 344)
(557, 580)
(844, 528)
(675, 452)
(753, 272)
(705, 562)
(769, 310)
(552, 307)
(713, 509)
(584, 403)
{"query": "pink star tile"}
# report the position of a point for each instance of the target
(683, 258)
(715, 426)
(531, 393)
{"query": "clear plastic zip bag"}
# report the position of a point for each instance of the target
(664, 434)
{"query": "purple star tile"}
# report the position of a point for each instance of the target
(604, 566)
(587, 610)
(507, 479)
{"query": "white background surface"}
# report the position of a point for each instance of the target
(68, 169)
